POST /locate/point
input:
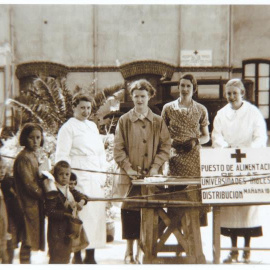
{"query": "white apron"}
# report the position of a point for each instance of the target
(244, 127)
(80, 144)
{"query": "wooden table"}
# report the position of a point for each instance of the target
(175, 213)
(178, 214)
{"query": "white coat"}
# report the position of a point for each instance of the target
(244, 127)
(79, 143)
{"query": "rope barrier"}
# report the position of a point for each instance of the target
(136, 198)
(157, 176)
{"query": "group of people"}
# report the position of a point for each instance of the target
(144, 142)
(79, 146)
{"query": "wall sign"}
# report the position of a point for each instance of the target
(235, 175)
(196, 58)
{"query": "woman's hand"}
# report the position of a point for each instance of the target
(153, 171)
(132, 174)
(190, 144)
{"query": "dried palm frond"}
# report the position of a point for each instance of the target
(51, 89)
(67, 97)
(49, 101)
(25, 108)
(101, 97)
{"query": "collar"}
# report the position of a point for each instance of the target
(141, 115)
(231, 113)
(63, 189)
(193, 107)
(175, 104)
(135, 116)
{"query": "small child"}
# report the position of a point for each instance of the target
(60, 211)
(72, 187)
(3, 219)
(81, 242)
(72, 181)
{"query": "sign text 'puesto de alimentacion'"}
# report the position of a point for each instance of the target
(235, 175)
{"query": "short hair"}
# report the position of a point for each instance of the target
(26, 130)
(77, 98)
(193, 80)
(73, 177)
(142, 84)
(58, 165)
(236, 82)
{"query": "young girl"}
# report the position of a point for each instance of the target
(60, 210)
(29, 191)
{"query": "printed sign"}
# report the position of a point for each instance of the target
(235, 175)
(200, 58)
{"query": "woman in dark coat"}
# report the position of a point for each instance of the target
(29, 191)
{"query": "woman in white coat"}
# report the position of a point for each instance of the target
(239, 124)
(79, 143)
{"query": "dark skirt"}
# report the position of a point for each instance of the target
(244, 232)
(131, 221)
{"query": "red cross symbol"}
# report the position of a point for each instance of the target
(238, 155)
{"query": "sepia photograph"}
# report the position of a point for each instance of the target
(135, 133)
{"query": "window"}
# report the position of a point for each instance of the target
(258, 71)
(208, 91)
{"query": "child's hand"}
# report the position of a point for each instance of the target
(13, 192)
(80, 205)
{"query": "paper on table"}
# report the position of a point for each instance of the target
(155, 179)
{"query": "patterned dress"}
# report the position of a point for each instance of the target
(184, 124)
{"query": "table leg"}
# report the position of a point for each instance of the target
(216, 234)
(195, 236)
(148, 234)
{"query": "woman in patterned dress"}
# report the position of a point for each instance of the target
(187, 121)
